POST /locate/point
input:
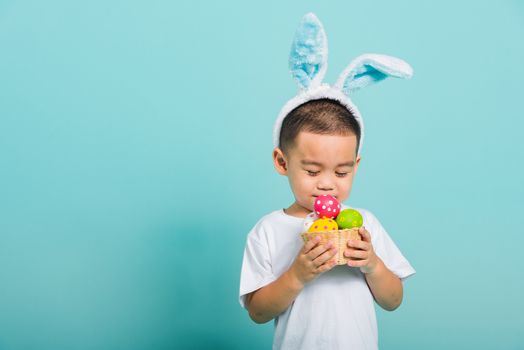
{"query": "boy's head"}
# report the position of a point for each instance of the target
(322, 116)
(321, 127)
(318, 151)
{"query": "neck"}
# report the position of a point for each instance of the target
(297, 210)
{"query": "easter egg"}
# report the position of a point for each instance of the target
(327, 206)
(324, 224)
(349, 218)
(308, 221)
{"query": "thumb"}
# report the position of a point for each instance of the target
(366, 237)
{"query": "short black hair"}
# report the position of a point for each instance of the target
(322, 116)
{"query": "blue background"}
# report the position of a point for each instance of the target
(135, 155)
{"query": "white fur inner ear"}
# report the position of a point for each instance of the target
(309, 52)
(371, 68)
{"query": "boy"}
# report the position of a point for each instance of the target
(315, 304)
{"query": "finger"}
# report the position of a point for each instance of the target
(357, 263)
(318, 250)
(366, 237)
(356, 254)
(326, 266)
(325, 257)
(358, 244)
(312, 243)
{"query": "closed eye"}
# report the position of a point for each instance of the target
(341, 174)
(312, 173)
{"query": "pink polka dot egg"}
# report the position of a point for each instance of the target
(326, 206)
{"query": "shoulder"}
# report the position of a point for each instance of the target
(265, 225)
(268, 220)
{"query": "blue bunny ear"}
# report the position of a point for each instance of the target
(369, 69)
(308, 56)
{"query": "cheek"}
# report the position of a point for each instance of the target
(345, 185)
(296, 180)
(304, 183)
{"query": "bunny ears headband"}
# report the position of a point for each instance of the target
(308, 65)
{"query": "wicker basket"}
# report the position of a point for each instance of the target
(338, 238)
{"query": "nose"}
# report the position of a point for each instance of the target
(325, 183)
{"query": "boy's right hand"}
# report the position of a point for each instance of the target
(313, 260)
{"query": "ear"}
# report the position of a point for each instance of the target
(308, 56)
(357, 162)
(280, 161)
(369, 69)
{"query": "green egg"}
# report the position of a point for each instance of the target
(349, 218)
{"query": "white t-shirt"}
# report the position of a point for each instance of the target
(335, 310)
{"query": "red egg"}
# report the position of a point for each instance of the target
(327, 206)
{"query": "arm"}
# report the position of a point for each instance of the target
(270, 301)
(385, 286)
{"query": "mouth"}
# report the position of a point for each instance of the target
(316, 195)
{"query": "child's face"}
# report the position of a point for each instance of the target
(318, 164)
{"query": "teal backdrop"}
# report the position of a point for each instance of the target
(135, 156)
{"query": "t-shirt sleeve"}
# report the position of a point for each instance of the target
(257, 270)
(386, 249)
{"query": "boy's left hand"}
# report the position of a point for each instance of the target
(361, 253)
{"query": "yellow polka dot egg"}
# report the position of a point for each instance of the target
(324, 224)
